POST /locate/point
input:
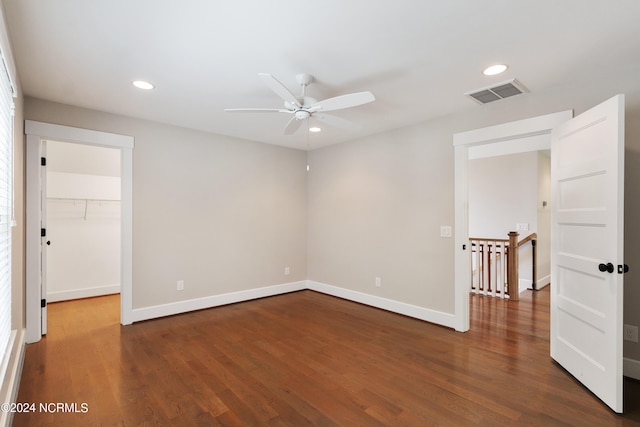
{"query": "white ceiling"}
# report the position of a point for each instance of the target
(418, 57)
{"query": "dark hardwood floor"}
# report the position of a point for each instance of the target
(306, 359)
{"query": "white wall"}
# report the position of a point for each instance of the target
(83, 221)
(544, 219)
(503, 192)
(375, 210)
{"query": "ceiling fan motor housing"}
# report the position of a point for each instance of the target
(302, 114)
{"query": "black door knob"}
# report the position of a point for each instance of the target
(608, 267)
(48, 242)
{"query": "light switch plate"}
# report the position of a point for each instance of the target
(445, 231)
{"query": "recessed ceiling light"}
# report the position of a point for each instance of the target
(315, 129)
(494, 69)
(141, 84)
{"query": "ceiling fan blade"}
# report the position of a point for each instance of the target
(292, 126)
(335, 121)
(343, 101)
(279, 89)
(256, 110)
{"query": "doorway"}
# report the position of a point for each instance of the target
(495, 140)
(511, 192)
(587, 187)
(83, 221)
(37, 132)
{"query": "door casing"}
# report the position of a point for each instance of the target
(35, 133)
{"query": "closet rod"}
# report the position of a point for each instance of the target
(85, 200)
(82, 199)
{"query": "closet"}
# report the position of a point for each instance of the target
(82, 221)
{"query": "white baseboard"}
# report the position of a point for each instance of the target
(524, 284)
(82, 293)
(170, 309)
(540, 283)
(433, 316)
(12, 375)
(631, 368)
(545, 281)
(146, 313)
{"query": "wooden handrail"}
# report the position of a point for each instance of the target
(530, 237)
(489, 240)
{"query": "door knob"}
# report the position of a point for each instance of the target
(608, 267)
(48, 242)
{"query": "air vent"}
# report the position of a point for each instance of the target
(499, 91)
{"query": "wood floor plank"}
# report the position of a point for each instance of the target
(307, 359)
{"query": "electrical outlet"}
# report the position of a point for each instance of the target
(378, 282)
(180, 285)
(286, 271)
(630, 333)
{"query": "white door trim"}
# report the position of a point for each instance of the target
(508, 134)
(37, 131)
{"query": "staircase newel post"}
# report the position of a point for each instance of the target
(512, 265)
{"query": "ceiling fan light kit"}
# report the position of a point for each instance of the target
(304, 107)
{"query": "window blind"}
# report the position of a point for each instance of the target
(6, 208)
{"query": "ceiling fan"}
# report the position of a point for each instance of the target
(303, 107)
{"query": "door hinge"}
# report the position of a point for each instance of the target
(43, 232)
(43, 303)
(43, 161)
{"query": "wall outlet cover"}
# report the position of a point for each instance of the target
(630, 333)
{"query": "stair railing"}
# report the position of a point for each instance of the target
(495, 267)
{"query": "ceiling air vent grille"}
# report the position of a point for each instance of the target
(496, 92)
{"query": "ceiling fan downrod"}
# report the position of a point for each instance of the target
(304, 80)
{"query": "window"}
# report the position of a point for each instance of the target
(6, 211)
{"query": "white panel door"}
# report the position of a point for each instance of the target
(587, 176)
